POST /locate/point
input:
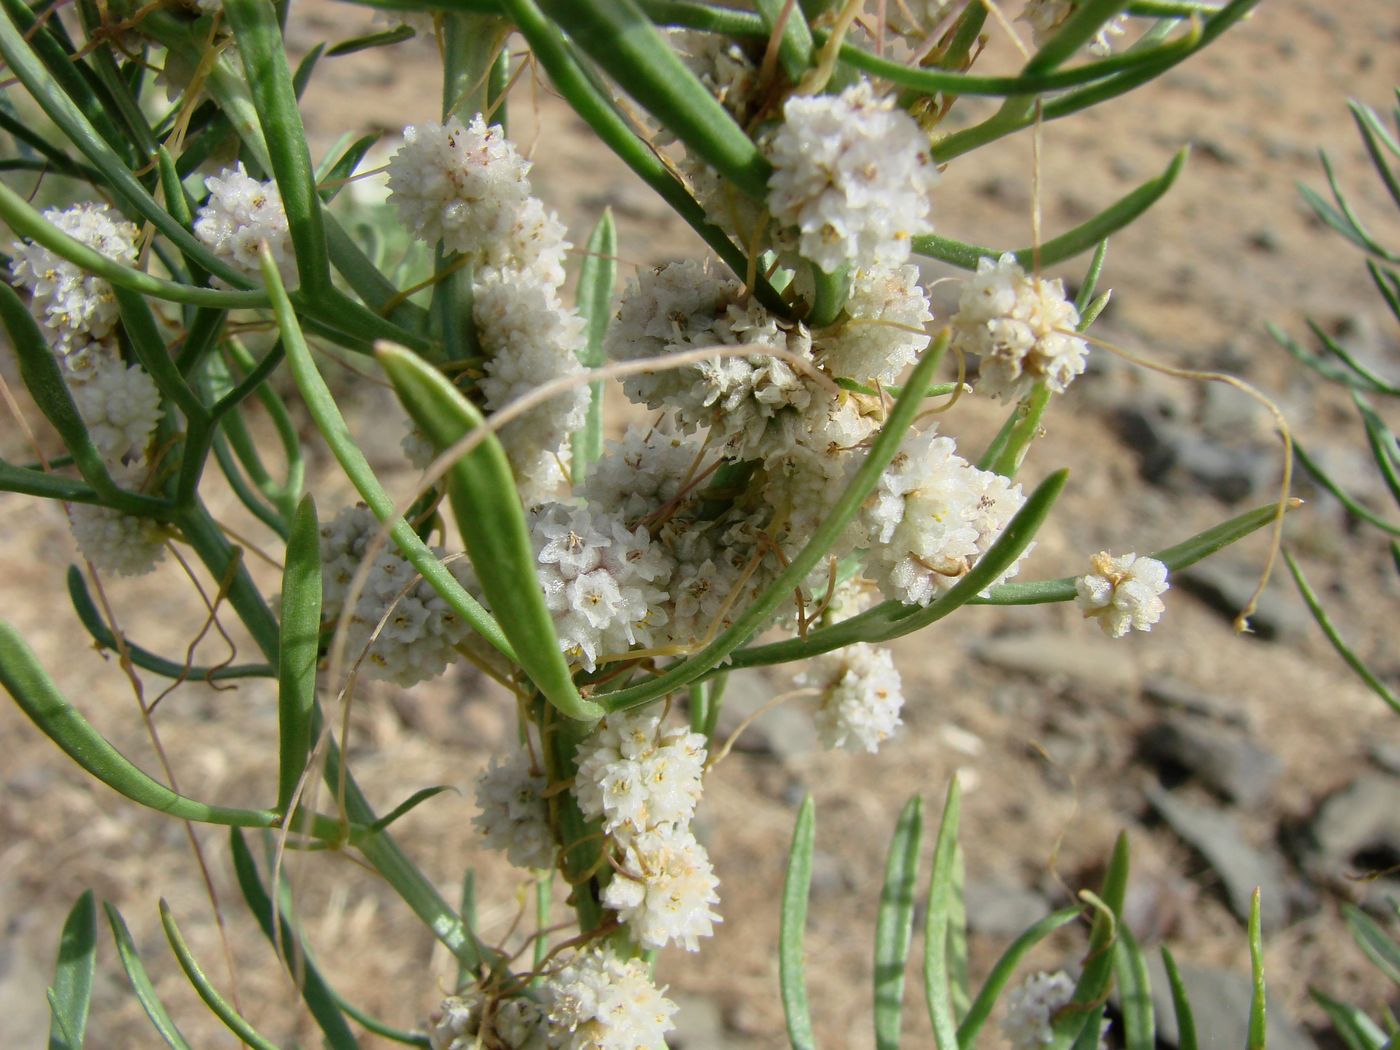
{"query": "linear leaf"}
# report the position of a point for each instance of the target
(216, 1002)
(894, 926)
(71, 991)
(492, 523)
(1082, 238)
(319, 999)
(1258, 1009)
(792, 975)
(941, 891)
(412, 802)
(596, 277)
(141, 981)
(795, 51)
(1092, 988)
(1181, 1004)
(1134, 993)
(299, 652)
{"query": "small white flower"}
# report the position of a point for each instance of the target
(1022, 327)
(1031, 1010)
(456, 1023)
(514, 815)
(240, 216)
(633, 775)
(72, 306)
(461, 185)
(119, 403)
(664, 889)
(600, 1002)
(1122, 592)
(861, 697)
(853, 174)
(882, 333)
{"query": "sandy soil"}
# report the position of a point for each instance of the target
(1049, 766)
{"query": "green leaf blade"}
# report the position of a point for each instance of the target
(70, 995)
(299, 652)
(894, 926)
(791, 932)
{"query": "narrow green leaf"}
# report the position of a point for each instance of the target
(92, 620)
(894, 926)
(1091, 280)
(326, 414)
(1379, 946)
(623, 41)
(1177, 557)
(829, 295)
(216, 1002)
(891, 619)
(1258, 1014)
(493, 526)
(1367, 376)
(792, 975)
(139, 323)
(296, 667)
(141, 982)
(410, 803)
(1134, 993)
(71, 991)
(1022, 432)
(596, 277)
(940, 896)
(369, 41)
(319, 999)
(795, 51)
(1376, 137)
(1345, 651)
(333, 175)
(468, 913)
(1082, 238)
(264, 56)
(1094, 982)
(959, 992)
(39, 698)
(1181, 1004)
(1004, 970)
(1357, 1030)
(306, 68)
(1383, 445)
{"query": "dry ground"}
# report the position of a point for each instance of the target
(1048, 766)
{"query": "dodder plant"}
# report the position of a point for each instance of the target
(788, 480)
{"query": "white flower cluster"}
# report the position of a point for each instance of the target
(467, 187)
(683, 306)
(852, 173)
(119, 402)
(418, 639)
(74, 307)
(116, 542)
(595, 1001)
(602, 581)
(600, 1002)
(861, 697)
(458, 184)
(1122, 592)
(514, 815)
(240, 216)
(642, 783)
(931, 517)
(1022, 328)
(883, 330)
(1031, 1010)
